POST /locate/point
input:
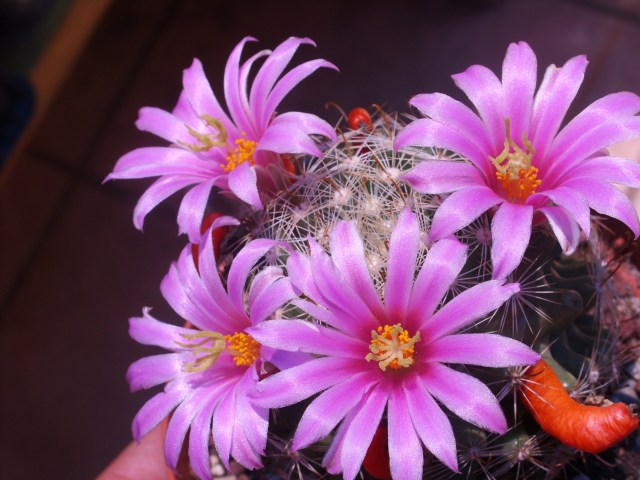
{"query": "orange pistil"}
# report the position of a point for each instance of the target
(392, 347)
(242, 153)
(517, 177)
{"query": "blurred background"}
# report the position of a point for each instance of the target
(73, 74)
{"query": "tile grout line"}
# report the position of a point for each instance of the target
(75, 178)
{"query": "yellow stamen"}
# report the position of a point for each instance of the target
(207, 140)
(208, 354)
(211, 345)
(517, 177)
(242, 153)
(392, 347)
(244, 348)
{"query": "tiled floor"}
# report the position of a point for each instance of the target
(73, 268)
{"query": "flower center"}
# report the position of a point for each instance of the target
(392, 347)
(207, 346)
(513, 168)
(245, 348)
(216, 137)
(242, 153)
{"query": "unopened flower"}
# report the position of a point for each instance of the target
(212, 368)
(210, 147)
(377, 355)
(519, 161)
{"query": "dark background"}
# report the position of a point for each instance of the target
(72, 267)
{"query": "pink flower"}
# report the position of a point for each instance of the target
(377, 355)
(212, 368)
(519, 161)
(210, 148)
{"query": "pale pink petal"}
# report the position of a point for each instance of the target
(149, 331)
(252, 419)
(332, 459)
(572, 201)
(161, 189)
(233, 92)
(362, 428)
(610, 169)
(255, 128)
(519, 77)
(467, 307)
(223, 425)
(460, 209)
(199, 439)
(297, 383)
(154, 370)
(347, 252)
(200, 96)
(607, 200)
(191, 211)
(431, 423)
(511, 231)
(442, 266)
(426, 132)
(401, 264)
(467, 397)
(472, 348)
(269, 73)
(289, 133)
(163, 124)
(273, 297)
(557, 91)
(485, 91)
(154, 411)
(327, 409)
(564, 227)
(242, 181)
(444, 109)
(405, 449)
(241, 267)
(300, 335)
(443, 176)
(262, 280)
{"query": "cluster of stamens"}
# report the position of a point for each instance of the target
(207, 141)
(517, 177)
(208, 347)
(391, 346)
(243, 152)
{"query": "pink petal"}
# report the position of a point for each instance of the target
(252, 419)
(154, 370)
(233, 92)
(154, 411)
(519, 77)
(611, 169)
(572, 201)
(200, 96)
(467, 307)
(557, 91)
(332, 459)
(444, 109)
(149, 331)
(405, 449)
(564, 227)
(443, 176)
(362, 428)
(511, 231)
(401, 264)
(289, 133)
(347, 252)
(607, 200)
(199, 439)
(426, 132)
(472, 348)
(192, 209)
(161, 189)
(467, 397)
(262, 280)
(460, 209)
(297, 383)
(430, 422)
(242, 182)
(485, 91)
(301, 335)
(223, 421)
(440, 269)
(163, 124)
(325, 411)
(273, 297)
